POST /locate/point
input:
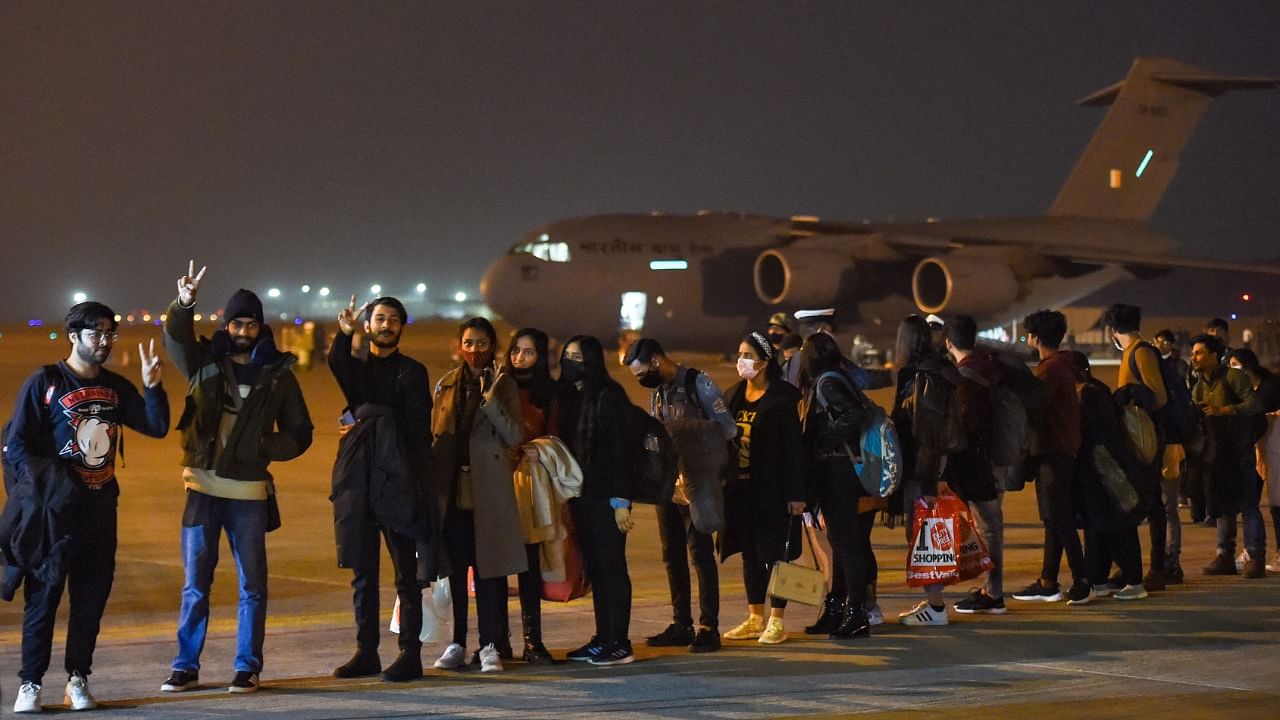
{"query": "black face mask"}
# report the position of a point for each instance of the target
(775, 338)
(651, 379)
(571, 370)
(522, 375)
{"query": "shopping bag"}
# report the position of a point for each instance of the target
(932, 558)
(436, 610)
(575, 583)
(974, 559)
(797, 583)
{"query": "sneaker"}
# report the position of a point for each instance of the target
(1038, 592)
(1274, 564)
(1254, 567)
(706, 640)
(774, 633)
(924, 614)
(1241, 559)
(181, 681)
(586, 652)
(1173, 574)
(980, 603)
(28, 700)
(617, 653)
(1221, 565)
(490, 660)
(1153, 581)
(1104, 590)
(875, 616)
(1081, 593)
(674, 636)
(77, 695)
(452, 658)
(1131, 592)
(750, 629)
(244, 682)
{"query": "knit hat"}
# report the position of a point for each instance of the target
(244, 304)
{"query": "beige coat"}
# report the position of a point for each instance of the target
(497, 428)
(542, 488)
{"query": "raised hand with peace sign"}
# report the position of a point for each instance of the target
(189, 284)
(349, 316)
(150, 363)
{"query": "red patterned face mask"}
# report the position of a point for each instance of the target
(478, 359)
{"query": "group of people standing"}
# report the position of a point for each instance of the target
(501, 469)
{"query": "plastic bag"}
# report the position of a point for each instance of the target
(933, 557)
(437, 609)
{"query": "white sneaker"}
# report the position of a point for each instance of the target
(453, 658)
(1131, 592)
(490, 660)
(750, 629)
(28, 700)
(78, 696)
(875, 616)
(923, 614)
(773, 633)
(1274, 565)
(1241, 559)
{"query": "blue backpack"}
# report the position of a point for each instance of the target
(880, 466)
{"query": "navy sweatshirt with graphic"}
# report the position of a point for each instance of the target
(59, 414)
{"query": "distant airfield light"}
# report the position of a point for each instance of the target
(376, 289)
(79, 297)
(659, 299)
(306, 288)
(1233, 316)
(297, 321)
(118, 318)
(273, 293)
(668, 264)
(1143, 167)
(1117, 177)
(459, 296)
(324, 292)
(129, 318)
(284, 316)
(34, 322)
(53, 336)
(1246, 297)
(409, 320)
(157, 321)
(197, 317)
(421, 287)
(213, 317)
(164, 317)
(146, 318)
(544, 237)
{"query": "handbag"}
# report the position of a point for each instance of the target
(797, 583)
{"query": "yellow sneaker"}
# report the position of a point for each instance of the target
(749, 629)
(773, 633)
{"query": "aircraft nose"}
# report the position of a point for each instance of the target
(500, 284)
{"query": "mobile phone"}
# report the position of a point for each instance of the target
(347, 418)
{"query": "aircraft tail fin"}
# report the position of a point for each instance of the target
(1134, 154)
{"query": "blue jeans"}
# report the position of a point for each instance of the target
(246, 524)
(1249, 492)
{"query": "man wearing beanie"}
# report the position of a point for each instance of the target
(244, 410)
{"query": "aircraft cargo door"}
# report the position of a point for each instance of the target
(631, 315)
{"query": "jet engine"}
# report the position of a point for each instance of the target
(800, 275)
(965, 284)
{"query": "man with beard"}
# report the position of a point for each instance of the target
(67, 424)
(389, 385)
(243, 411)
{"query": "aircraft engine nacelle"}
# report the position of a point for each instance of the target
(965, 284)
(799, 276)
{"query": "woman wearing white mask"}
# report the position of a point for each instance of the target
(767, 490)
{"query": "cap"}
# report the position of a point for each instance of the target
(780, 319)
(824, 315)
(934, 322)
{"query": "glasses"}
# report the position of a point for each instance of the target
(95, 337)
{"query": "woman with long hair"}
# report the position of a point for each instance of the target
(768, 486)
(594, 425)
(834, 414)
(1267, 385)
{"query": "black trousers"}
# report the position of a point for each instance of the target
(840, 588)
(1056, 502)
(604, 554)
(364, 586)
(755, 575)
(1103, 547)
(848, 530)
(1157, 516)
(675, 528)
(459, 536)
(530, 582)
(88, 579)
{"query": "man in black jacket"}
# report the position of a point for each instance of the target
(244, 410)
(72, 414)
(387, 383)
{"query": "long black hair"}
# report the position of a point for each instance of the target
(818, 355)
(760, 344)
(541, 386)
(595, 382)
(915, 341)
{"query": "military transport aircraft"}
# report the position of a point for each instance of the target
(687, 279)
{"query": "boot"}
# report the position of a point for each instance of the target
(362, 664)
(535, 653)
(829, 619)
(408, 666)
(853, 624)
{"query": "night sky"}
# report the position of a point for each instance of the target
(341, 144)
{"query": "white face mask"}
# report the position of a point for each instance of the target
(747, 368)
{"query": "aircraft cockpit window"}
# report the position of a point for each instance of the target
(557, 252)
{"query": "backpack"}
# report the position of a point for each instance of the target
(1018, 402)
(880, 469)
(936, 411)
(50, 375)
(1177, 419)
(1140, 431)
(659, 463)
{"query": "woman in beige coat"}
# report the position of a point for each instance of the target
(475, 422)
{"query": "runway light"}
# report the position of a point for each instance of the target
(306, 288)
(1233, 316)
(376, 289)
(53, 336)
(146, 318)
(80, 297)
(324, 292)
(544, 237)
(117, 318)
(1246, 297)
(297, 321)
(164, 317)
(129, 318)
(273, 293)
(459, 297)
(197, 317)
(421, 287)
(34, 323)
(213, 317)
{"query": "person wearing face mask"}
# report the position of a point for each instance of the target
(593, 419)
(526, 361)
(476, 421)
(778, 329)
(694, 412)
(808, 322)
(767, 490)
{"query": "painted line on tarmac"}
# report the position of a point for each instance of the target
(230, 569)
(1083, 671)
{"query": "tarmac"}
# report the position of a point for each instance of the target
(1207, 649)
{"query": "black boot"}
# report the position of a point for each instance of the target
(362, 664)
(853, 624)
(406, 667)
(829, 619)
(535, 653)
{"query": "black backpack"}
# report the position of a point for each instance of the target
(50, 375)
(1177, 419)
(659, 463)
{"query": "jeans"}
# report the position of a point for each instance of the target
(366, 596)
(1173, 540)
(89, 577)
(246, 524)
(604, 554)
(1249, 492)
(989, 515)
(676, 531)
